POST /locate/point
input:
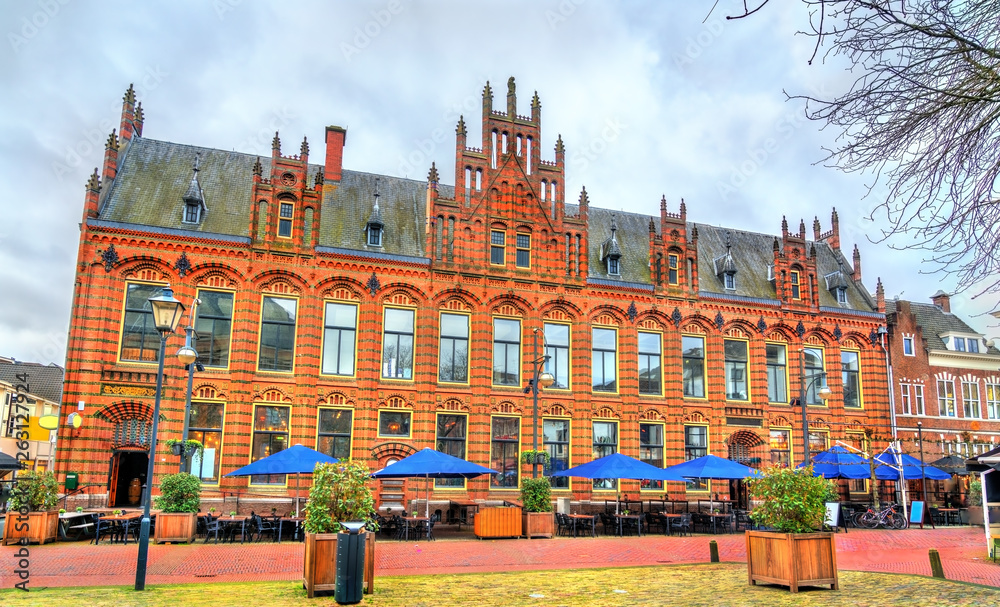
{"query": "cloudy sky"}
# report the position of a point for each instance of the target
(651, 99)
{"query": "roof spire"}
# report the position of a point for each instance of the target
(194, 193)
(276, 143)
(304, 150)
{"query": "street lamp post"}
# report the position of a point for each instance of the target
(167, 313)
(189, 357)
(537, 382)
(824, 393)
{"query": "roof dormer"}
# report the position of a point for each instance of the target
(837, 283)
(611, 253)
(194, 199)
(725, 266)
(375, 228)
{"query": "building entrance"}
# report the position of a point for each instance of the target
(128, 475)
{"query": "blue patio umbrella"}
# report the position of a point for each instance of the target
(712, 467)
(428, 463)
(838, 462)
(293, 460)
(619, 466)
(910, 465)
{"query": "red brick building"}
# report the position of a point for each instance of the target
(370, 316)
(945, 377)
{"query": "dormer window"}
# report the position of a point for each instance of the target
(836, 283)
(285, 210)
(192, 212)
(375, 227)
(611, 253)
(725, 266)
(374, 235)
(793, 280)
(958, 343)
(673, 265)
(194, 198)
(729, 281)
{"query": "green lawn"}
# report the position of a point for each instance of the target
(720, 585)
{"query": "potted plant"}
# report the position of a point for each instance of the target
(790, 504)
(185, 449)
(62, 511)
(232, 513)
(31, 514)
(212, 510)
(79, 508)
(535, 457)
(536, 502)
(117, 512)
(339, 494)
(975, 502)
(179, 502)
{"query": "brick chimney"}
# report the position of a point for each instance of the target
(942, 300)
(335, 138)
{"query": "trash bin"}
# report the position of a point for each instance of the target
(350, 564)
(72, 481)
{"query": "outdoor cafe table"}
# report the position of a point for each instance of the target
(83, 522)
(950, 515)
(231, 522)
(717, 517)
(126, 519)
(462, 507)
(621, 517)
(411, 519)
(582, 517)
(296, 521)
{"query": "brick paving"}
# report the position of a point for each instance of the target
(962, 550)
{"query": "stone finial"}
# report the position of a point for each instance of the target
(487, 91)
(536, 102)
(560, 148)
(812, 250)
(319, 178)
(460, 129)
(112, 143)
(663, 203)
(784, 226)
(432, 175)
(684, 209)
(774, 246)
(694, 233)
(816, 228)
(510, 86)
(257, 168)
(584, 199)
(94, 183)
(140, 116)
(304, 150)
(652, 226)
(802, 228)
(129, 97)
(276, 143)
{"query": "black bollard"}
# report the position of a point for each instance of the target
(936, 569)
(713, 549)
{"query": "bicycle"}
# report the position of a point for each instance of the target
(886, 517)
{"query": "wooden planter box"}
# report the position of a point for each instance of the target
(42, 527)
(538, 524)
(975, 515)
(175, 527)
(498, 522)
(320, 563)
(792, 559)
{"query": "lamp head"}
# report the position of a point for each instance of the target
(187, 355)
(167, 311)
(545, 380)
(824, 392)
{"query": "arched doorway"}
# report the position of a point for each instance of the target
(390, 493)
(749, 449)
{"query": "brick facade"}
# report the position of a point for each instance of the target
(503, 247)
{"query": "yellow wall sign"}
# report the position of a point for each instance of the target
(49, 422)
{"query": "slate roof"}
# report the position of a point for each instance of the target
(934, 321)
(45, 381)
(154, 176)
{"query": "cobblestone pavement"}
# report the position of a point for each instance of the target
(963, 553)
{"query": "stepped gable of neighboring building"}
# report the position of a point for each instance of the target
(934, 321)
(44, 381)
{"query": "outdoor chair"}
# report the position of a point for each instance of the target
(724, 524)
(109, 530)
(936, 516)
(587, 524)
(609, 523)
(632, 526)
(682, 524)
(657, 522)
(564, 524)
(743, 521)
(211, 527)
(263, 526)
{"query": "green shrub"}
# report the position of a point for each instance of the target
(536, 494)
(791, 499)
(976, 493)
(340, 493)
(37, 491)
(179, 492)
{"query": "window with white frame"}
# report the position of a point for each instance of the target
(946, 397)
(557, 349)
(506, 352)
(970, 397)
(736, 369)
(777, 382)
(918, 400)
(992, 399)
(604, 360)
(908, 346)
(650, 370)
(397, 344)
(904, 398)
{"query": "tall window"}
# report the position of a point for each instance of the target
(736, 369)
(557, 349)
(946, 398)
(673, 263)
(993, 401)
(813, 367)
(397, 344)
(650, 364)
(140, 339)
(506, 352)
(851, 375)
(695, 446)
(793, 279)
(555, 437)
(818, 441)
(498, 241)
(605, 443)
(523, 256)
(908, 346)
(904, 398)
(270, 435)
(213, 327)
(277, 334)
(453, 352)
(918, 399)
(334, 437)
(603, 360)
(693, 353)
(970, 398)
(205, 426)
(285, 220)
(394, 423)
(781, 448)
(651, 451)
(451, 440)
(777, 378)
(504, 441)
(339, 338)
